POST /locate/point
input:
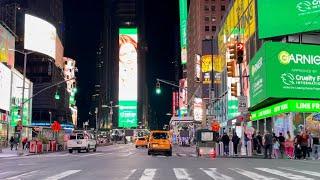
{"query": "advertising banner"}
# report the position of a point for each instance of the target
(287, 106)
(5, 79)
(183, 100)
(183, 11)
(197, 67)
(304, 15)
(59, 53)
(6, 43)
(198, 109)
(16, 99)
(39, 36)
(295, 72)
(128, 77)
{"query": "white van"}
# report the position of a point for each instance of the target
(82, 141)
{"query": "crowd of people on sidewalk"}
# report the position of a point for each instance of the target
(14, 142)
(272, 146)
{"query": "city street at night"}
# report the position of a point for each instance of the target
(126, 162)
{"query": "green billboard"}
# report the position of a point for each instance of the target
(284, 70)
(127, 114)
(183, 11)
(283, 17)
(286, 107)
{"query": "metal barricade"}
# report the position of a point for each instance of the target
(249, 148)
(221, 148)
(231, 153)
(217, 149)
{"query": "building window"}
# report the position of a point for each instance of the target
(206, 8)
(213, 28)
(206, 28)
(213, 0)
(213, 19)
(213, 8)
(223, 8)
(206, 18)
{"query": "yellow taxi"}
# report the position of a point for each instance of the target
(141, 142)
(160, 142)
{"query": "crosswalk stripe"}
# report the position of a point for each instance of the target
(62, 175)
(148, 174)
(252, 175)
(130, 174)
(22, 175)
(302, 171)
(284, 174)
(214, 174)
(181, 173)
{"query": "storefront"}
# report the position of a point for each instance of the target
(285, 88)
(292, 115)
(3, 127)
(5, 77)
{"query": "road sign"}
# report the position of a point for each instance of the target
(242, 104)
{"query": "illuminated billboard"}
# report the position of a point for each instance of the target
(5, 79)
(128, 77)
(183, 11)
(39, 36)
(287, 17)
(6, 43)
(295, 72)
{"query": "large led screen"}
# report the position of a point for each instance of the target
(183, 11)
(6, 47)
(5, 79)
(39, 36)
(279, 17)
(128, 77)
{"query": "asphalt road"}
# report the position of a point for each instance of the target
(126, 162)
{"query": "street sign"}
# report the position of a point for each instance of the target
(242, 104)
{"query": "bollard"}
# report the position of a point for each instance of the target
(249, 148)
(221, 148)
(231, 153)
(217, 149)
(36, 147)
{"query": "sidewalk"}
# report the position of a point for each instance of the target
(6, 152)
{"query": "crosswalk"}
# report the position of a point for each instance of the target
(258, 173)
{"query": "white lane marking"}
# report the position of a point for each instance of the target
(148, 174)
(94, 154)
(129, 154)
(252, 175)
(183, 155)
(7, 172)
(312, 173)
(130, 174)
(22, 175)
(284, 174)
(214, 174)
(63, 175)
(181, 173)
(193, 155)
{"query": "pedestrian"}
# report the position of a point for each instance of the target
(289, 146)
(259, 138)
(267, 145)
(11, 142)
(235, 141)
(310, 144)
(276, 148)
(281, 140)
(255, 143)
(297, 146)
(225, 140)
(24, 142)
(304, 144)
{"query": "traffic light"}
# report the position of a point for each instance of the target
(231, 69)
(57, 96)
(158, 89)
(232, 50)
(240, 49)
(234, 89)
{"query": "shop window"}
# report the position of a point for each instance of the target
(311, 38)
(206, 28)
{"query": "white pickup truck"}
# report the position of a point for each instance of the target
(82, 141)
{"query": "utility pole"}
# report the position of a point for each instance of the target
(111, 106)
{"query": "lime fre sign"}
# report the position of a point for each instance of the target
(242, 104)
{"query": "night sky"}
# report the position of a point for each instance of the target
(84, 25)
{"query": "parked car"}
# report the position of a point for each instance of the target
(82, 141)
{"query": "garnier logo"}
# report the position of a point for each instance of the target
(308, 7)
(256, 66)
(286, 57)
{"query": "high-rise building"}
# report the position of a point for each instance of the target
(42, 70)
(122, 14)
(204, 17)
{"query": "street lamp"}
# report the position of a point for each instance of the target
(25, 53)
(111, 110)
